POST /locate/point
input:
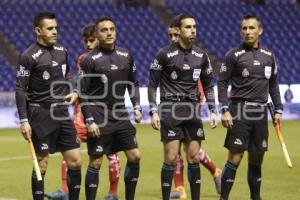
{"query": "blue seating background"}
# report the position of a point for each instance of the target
(144, 34)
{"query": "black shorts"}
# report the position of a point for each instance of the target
(250, 128)
(52, 134)
(181, 121)
(115, 134)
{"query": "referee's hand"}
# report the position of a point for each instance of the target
(138, 116)
(26, 130)
(93, 130)
(71, 98)
(227, 120)
(277, 119)
(155, 121)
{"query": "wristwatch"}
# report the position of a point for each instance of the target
(89, 121)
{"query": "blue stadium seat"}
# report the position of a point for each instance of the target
(144, 34)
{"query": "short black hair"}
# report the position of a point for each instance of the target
(177, 21)
(174, 23)
(88, 30)
(105, 18)
(251, 16)
(39, 17)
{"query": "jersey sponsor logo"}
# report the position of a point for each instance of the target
(174, 75)
(37, 54)
(58, 48)
(122, 53)
(54, 63)
(196, 74)
(266, 52)
(223, 68)
(238, 53)
(229, 180)
(186, 67)
(94, 57)
(64, 69)
(44, 146)
(245, 73)
(99, 148)
(200, 55)
(166, 185)
(256, 62)
(237, 141)
(22, 72)
(268, 72)
(155, 65)
(134, 180)
(171, 133)
(200, 132)
(46, 75)
(172, 54)
(114, 67)
(92, 185)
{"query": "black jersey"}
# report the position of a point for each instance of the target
(252, 73)
(41, 76)
(105, 76)
(177, 71)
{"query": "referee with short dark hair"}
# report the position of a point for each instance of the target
(252, 71)
(43, 80)
(177, 68)
(107, 72)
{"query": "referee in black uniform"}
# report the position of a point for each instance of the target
(252, 71)
(106, 73)
(177, 69)
(43, 80)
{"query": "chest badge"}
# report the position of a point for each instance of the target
(46, 75)
(174, 75)
(245, 73)
(256, 62)
(268, 71)
(196, 74)
(64, 69)
(186, 67)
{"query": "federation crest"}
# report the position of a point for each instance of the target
(196, 74)
(245, 73)
(268, 71)
(46, 75)
(174, 75)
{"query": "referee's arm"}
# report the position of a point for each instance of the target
(154, 80)
(224, 79)
(133, 88)
(85, 82)
(207, 80)
(274, 89)
(22, 81)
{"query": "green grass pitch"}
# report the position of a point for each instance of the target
(279, 182)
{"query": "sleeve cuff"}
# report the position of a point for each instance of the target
(24, 120)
